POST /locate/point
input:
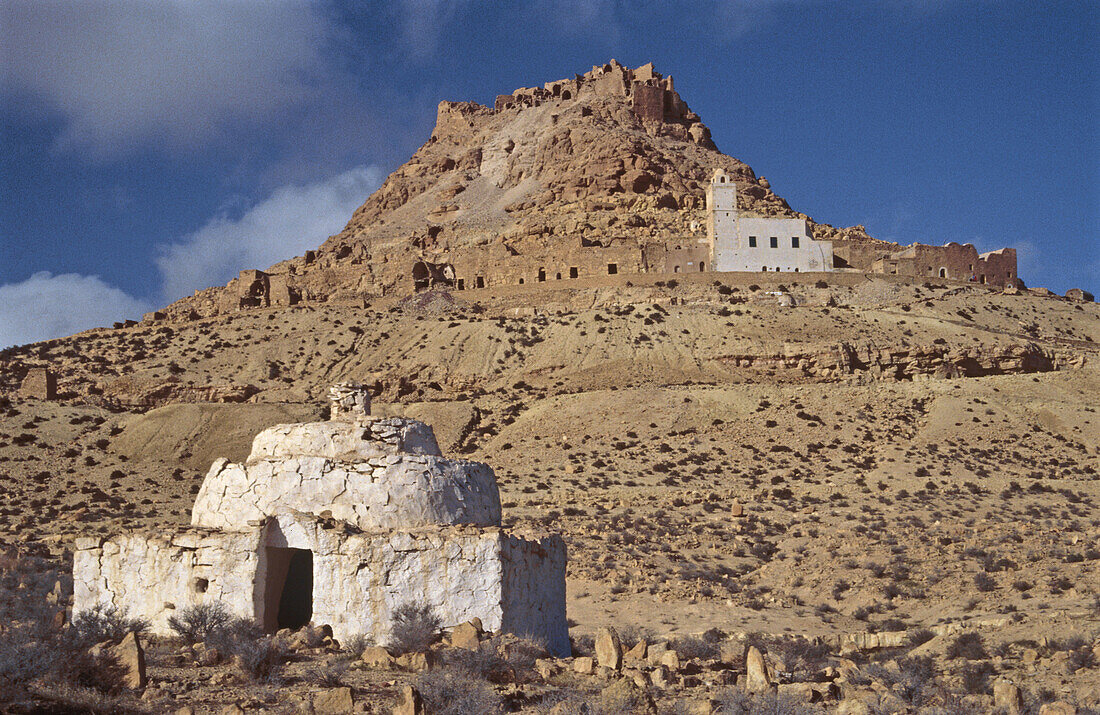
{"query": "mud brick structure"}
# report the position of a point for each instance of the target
(39, 383)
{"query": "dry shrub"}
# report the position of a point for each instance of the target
(969, 646)
(197, 623)
(105, 623)
(415, 626)
(448, 691)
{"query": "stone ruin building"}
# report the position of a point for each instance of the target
(653, 97)
(39, 383)
(338, 523)
(354, 271)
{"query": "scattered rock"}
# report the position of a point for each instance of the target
(1058, 707)
(671, 660)
(757, 678)
(547, 668)
(624, 696)
(466, 636)
(609, 651)
(410, 702)
(584, 665)
(333, 701)
(416, 662)
(1006, 697)
(637, 653)
(131, 657)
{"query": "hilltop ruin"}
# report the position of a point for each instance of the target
(596, 177)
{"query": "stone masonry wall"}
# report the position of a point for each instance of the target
(385, 492)
(156, 575)
(345, 442)
(533, 591)
(359, 579)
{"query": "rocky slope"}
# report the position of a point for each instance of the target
(534, 176)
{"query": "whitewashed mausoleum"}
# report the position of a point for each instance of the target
(338, 523)
(748, 243)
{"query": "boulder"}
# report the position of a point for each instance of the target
(416, 662)
(547, 668)
(376, 657)
(660, 677)
(1007, 698)
(333, 701)
(624, 696)
(654, 653)
(853, 707)
(757, 678)
(1058, 707)
(609, 651)
(467, 636)
(707, 706)
(802, 692)
(131, 657)
(584, 665)
(637, 653)
(410, 702)
(671, 660)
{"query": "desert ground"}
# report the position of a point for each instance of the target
(884, 457)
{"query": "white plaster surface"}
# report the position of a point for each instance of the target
(511, 583)
(156, 575)
(729, 233)
(387, 520)
(384, 474)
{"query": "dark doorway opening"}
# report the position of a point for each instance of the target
(288, 593)
(422, 277)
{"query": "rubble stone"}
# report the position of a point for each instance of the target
(609, 651)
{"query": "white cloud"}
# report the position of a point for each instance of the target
(47, 306)
(287, 223)
(126, 72)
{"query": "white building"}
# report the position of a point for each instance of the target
(744, 243)
(338, 523)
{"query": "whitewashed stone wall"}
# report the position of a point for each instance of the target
(347, 442)
(510, 583)
(743, 243)
(157, 575)
(389, 492)
(387, 521)
(533, 592)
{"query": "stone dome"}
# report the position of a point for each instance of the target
(373, 473)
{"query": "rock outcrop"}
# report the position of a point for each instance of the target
(613, 159)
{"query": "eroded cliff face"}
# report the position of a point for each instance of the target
(614, 155)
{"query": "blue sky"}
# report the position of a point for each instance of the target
(149, 149)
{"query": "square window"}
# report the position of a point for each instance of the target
(752, 241)
(774, 241)
(794, 241)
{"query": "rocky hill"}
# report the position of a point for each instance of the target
(611, 155)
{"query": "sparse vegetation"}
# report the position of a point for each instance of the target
(415, 626)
